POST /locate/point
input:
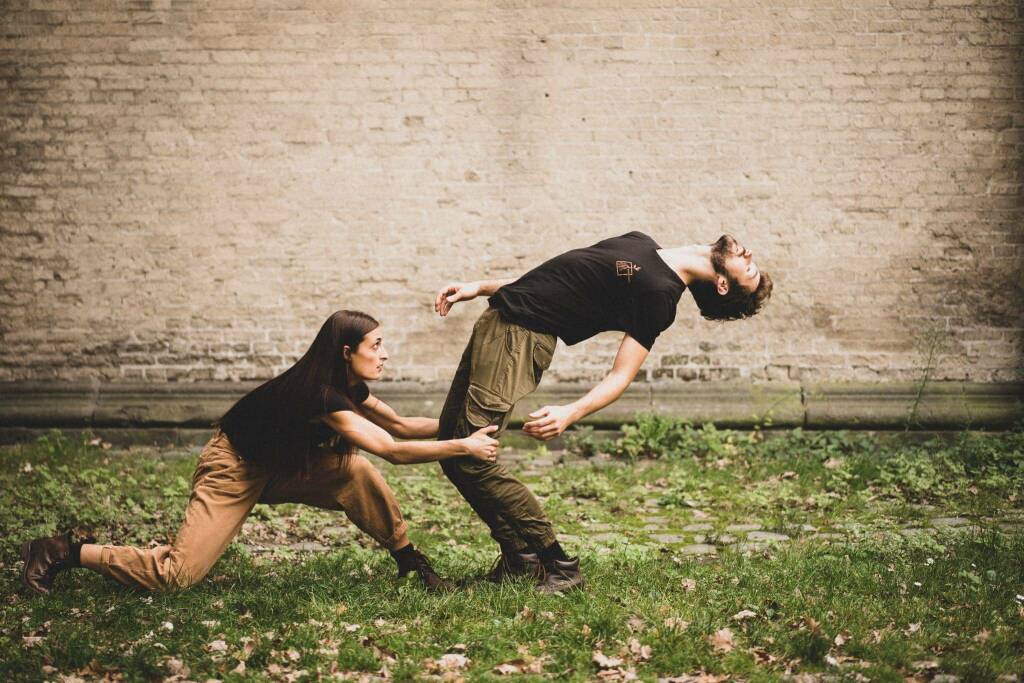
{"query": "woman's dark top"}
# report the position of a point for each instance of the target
(284, 436)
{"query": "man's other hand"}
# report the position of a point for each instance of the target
(548, 422)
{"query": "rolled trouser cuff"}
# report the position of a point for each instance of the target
(391, 542)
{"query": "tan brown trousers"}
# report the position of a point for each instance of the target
(224, 490)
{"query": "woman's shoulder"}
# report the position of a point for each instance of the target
(336, 399)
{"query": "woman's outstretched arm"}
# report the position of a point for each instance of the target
(362, 433)
(383, 415)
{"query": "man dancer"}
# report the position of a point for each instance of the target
(626, 283)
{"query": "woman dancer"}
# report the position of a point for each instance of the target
(290, 440)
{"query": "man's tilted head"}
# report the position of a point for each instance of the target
(739, 288)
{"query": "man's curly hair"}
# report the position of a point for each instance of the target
(735, 304)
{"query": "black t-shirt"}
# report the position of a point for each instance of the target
(262, 430)
(619, 283)
(334, 401)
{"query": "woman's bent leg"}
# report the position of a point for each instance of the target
(351, 484)
(224, 490)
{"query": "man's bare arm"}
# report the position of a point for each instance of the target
(464, 291)
(550, 421)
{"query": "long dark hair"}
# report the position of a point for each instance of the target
(271, 425)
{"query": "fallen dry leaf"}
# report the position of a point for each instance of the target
(811, 624)
(912, 628)
(982, 635)
(380, 651)
(521, 666)
(700, 677)
(722, 640)
(689, 585)
(842, 638)
(217, 646)
(452, 661)
(509, 668)
(176, 667)
(676, 623)
(603, 661)
(744, 614)
(617, 674)
(640, 652)
(526, 664)
(762, 656)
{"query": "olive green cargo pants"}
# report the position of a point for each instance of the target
(502, 363)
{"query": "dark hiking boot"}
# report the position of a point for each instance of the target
(561, 576)
(418, 562)
(44, 558)
(508, 567)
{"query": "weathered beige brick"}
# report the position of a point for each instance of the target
(211, 183)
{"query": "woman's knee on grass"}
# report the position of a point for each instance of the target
(177, 573)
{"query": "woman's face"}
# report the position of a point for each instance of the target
(366, 361)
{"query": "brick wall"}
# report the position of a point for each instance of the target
(187, 189)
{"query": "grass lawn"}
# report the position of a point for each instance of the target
(727, 556)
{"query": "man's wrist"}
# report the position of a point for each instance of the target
(576, 412)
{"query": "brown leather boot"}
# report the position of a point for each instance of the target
(508, 567)
(561, 576)
(418, 562)
(45, 557)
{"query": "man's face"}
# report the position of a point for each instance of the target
(734, 264)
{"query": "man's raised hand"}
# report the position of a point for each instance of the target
(453, 292)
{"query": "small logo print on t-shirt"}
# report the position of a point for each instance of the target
(626, 269)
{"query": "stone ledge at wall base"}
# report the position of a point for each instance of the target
(939, 405)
